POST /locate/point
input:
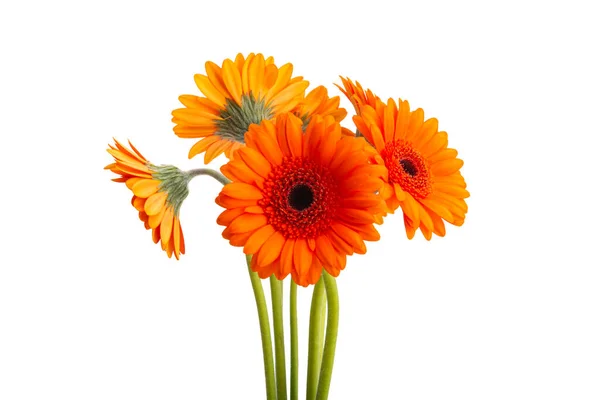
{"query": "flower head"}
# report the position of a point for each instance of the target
(318, 102)
(158, 192)
(423, 173)
(298, 201)
(357, 95)
(237, 94)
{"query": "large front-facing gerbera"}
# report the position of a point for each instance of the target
(423, 173)
(300, 202)
(241, 92)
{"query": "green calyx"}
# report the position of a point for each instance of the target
(174, 182)
(236, 119)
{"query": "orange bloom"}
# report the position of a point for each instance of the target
(158, 193)
(357, 95)
(318, 102)
(300, 202)
(237, 94)
(423, 173)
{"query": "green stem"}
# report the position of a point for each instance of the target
(333, 316)
(294, 341)
(265, 332)
(210, 172)
(277, 302)
(315, 339)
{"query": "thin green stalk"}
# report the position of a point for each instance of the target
(333, 316)
(315, 339)
(210, 172)
(277, 301)
(265, 332)
(293, 341)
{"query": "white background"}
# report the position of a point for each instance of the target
(505, 307)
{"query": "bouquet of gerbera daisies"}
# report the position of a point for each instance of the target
(300, 192)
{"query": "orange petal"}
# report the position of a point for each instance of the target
(155, 203)
(177, 237)
(209, 90)
(447, 167)
(270, 250)
(247, 223)
(402, 121)
(230, 202)
(202, 145)
(294, 135)
(242, 191)
(227, 216)
(256, 75)
(283, 77)
(303, 257)
(350, 236)
(255, 161)
(145, 187)
(166, 226)
(287, 257)
(258, 238)
(232, 79)
(216, 149)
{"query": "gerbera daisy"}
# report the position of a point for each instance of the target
(423, 173)
(158, 192)
(357, 95)
(300, 202)
(318, 102)
(239, 93)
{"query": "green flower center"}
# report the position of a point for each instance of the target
(236, 119)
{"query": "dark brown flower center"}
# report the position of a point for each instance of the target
(407, 168)
(301, 197)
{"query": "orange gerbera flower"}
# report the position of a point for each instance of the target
(239, 93)
(423, 173)
(158, 192)
(318, 102)
(300, 202)
(357, 95)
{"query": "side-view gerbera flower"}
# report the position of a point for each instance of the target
(158, 192)
(423, 173)
(318, 102)
(357, 95)
(300, 202)
(239, 93)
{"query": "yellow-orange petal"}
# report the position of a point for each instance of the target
(145, 187)
(155, 203)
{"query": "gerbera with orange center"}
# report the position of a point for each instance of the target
(241, 92)
(158, 192)
(357, 95)
(423, 173)
(300, 202)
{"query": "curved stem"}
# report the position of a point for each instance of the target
(210, 172)
(265, 332)
(294, 341)
(277, 302)
(315, 339)
(333, 314)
